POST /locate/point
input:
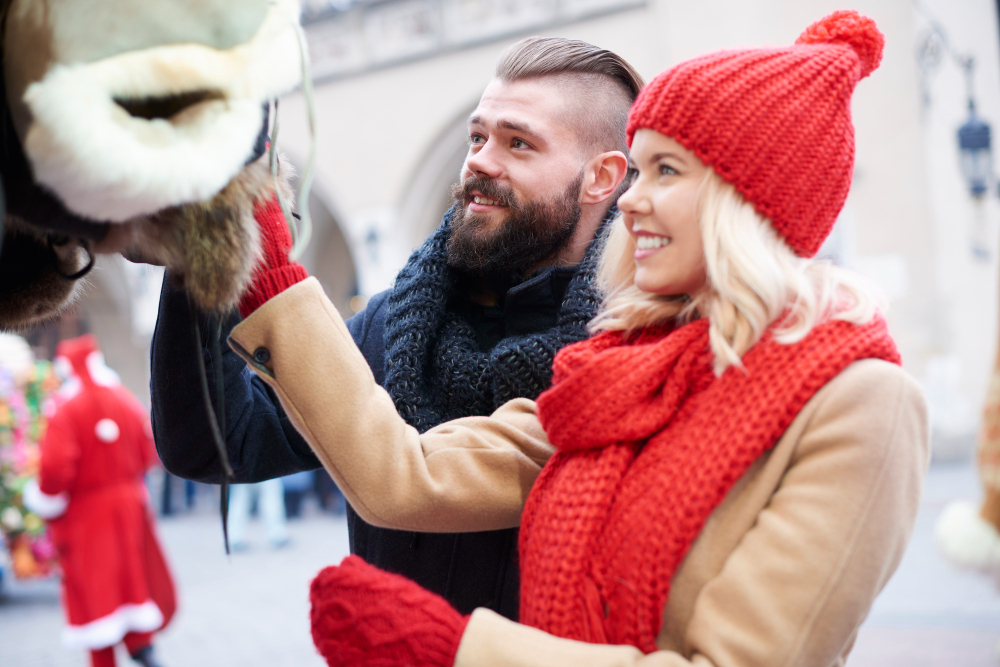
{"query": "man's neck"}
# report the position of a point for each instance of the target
(575, 248)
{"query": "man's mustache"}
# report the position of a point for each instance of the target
(486, 187)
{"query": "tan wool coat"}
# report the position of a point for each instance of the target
(783, 573)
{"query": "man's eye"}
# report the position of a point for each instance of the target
(518, 143)
(667, 170)
(476, 139)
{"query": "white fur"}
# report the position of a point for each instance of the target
(107, 165)
(100, 372)
(43, 504)
(967, 540)
(110, 629)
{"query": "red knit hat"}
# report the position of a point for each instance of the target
(776, 123)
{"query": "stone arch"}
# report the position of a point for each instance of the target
(427, 197)
(329, 255)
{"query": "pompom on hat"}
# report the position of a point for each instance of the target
(775, 122)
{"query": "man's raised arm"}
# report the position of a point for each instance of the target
(260, 440)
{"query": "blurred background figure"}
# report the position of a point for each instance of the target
(95, 452)
(168, 482)
(269, 497)
(296, 487)
(329, 496)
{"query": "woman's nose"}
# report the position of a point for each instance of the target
(632, 201)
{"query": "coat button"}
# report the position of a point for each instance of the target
(261, 355)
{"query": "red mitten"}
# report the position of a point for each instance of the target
(276, 272)
(365, 617)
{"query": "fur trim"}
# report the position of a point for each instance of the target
(111, 629)
(214, 246)
(43, 504)
(967, 540)
(100, 372)
(108, 165)
(31, 290)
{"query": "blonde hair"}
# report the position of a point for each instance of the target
(754, 281)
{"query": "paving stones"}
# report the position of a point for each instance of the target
(247, 609)
(251, 608)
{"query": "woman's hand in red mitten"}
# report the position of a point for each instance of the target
(363, 616)
(276, 272)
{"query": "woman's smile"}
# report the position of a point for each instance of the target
(649, 244)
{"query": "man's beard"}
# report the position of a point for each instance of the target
(529, 234)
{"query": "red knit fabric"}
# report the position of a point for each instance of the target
(644, 457)
(776, 123)
(276, 272)
(363, 616)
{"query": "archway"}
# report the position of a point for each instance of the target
(428, 196)
(328, 256)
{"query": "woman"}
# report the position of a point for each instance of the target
(732, 465)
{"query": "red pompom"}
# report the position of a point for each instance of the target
(850, 27)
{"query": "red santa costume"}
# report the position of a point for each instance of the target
(116, 584)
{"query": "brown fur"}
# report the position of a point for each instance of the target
(212, 247)
(31, 290)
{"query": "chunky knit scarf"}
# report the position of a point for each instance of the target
(435, 370)
(649, 443)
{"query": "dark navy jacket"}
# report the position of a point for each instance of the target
(469, 569)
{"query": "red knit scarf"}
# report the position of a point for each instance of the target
(649, 443)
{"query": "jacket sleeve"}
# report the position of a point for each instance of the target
(798, 583)
(261, 442)
(467, 475)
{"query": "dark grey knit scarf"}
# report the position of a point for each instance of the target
(435, 371)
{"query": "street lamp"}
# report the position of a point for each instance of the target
(975, 154)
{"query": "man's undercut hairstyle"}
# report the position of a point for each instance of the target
(604, 79)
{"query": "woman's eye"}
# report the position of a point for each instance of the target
(667, 170)
(476, 139)
(632, 173)
(518, 143)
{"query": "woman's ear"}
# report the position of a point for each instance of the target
(602, 176)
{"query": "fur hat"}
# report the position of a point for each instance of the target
(774, 122)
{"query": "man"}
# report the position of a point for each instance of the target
(475, 317)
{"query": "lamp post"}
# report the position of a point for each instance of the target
(974, 146)
(976, 162)
(974, 143)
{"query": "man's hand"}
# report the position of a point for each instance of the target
(363, 616)
(276, 272)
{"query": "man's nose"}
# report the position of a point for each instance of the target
(484, 163)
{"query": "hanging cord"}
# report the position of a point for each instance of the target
(220, 414)
(216, 418)
(300, 237)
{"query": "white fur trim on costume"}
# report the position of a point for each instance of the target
(41, 503)
(100, 372)
(967, 540)
(110, 629)
(108, 165)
